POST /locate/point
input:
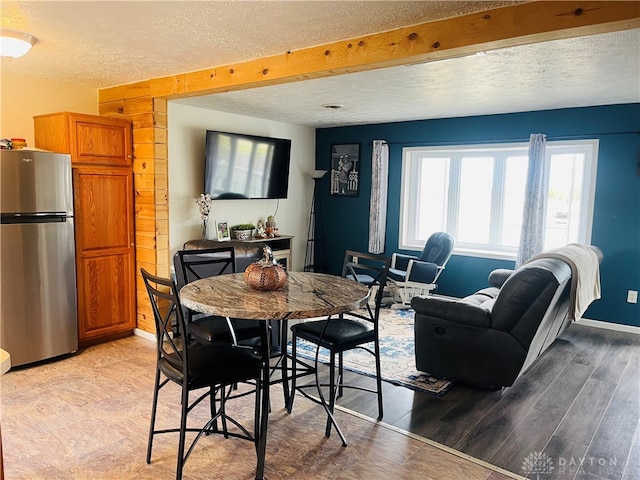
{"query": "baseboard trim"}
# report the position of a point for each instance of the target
(608, 326)
(143, 334)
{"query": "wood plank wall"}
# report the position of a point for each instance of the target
(145, 103)
(148, 115)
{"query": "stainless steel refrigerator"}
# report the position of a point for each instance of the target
(38, 276)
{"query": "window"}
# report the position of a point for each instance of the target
(476, 193)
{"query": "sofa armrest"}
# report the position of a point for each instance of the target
(400, 261)
(499, 276)
(452, 311)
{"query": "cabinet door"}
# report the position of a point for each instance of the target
(103, 200)
(103, 144)
(90, 139)
(105, 294)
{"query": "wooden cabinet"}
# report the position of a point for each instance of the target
(101, 157)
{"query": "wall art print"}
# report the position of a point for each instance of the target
(345, 169)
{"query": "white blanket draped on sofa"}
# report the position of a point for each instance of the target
(585, 275)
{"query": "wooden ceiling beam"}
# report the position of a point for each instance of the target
(509, 26)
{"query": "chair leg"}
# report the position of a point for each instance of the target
(256, 415)
(332, 391)
(223, 402)
(284, 363)
(378, 379)
(213, 394)
(154, 408)
(264, 409)
(340, 374)
(292, 392)
(183, 431)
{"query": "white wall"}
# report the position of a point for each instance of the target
(186, 145)
(22, 98)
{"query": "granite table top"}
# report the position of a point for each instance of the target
(305, 295)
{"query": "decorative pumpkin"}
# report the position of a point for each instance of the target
(265, 274)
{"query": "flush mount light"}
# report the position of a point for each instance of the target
(15, 44)
(331, 106)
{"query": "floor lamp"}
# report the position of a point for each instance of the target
(315, 238)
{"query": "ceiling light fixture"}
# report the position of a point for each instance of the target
(331, 106)
(15, 44)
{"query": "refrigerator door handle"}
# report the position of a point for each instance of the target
(21, 219)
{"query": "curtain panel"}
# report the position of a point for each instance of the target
(533, 221)
(378, 204)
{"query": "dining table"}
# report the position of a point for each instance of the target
(304, 295)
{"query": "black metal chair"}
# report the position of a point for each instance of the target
(193, 265)
(348, 331)
(195, 366)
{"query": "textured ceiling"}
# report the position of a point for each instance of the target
(106, 43)
(596, 70)
(103, 44)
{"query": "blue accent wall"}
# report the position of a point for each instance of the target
(616, 222)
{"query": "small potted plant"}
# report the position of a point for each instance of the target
(243, 231)
(271, 230)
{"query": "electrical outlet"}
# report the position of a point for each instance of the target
(632, 296)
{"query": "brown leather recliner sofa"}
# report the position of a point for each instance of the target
(490, 338)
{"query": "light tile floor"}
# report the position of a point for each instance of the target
(87, 417)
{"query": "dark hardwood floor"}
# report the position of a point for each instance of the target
(577, 407)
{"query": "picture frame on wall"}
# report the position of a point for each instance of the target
(345, 169)
(223, 231)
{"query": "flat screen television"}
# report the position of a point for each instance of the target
(240, 166)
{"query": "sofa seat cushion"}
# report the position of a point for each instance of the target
(478, 316)
(482, 297)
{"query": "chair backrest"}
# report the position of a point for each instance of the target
(438, 248)
(370, 270)
(165, 303)
(193, 265)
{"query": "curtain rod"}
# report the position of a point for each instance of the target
(509, 140)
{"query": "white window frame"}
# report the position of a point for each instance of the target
(407, 234)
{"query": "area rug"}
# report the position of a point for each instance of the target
(397, 355)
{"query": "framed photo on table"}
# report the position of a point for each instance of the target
(345, 169)
(223, 231)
